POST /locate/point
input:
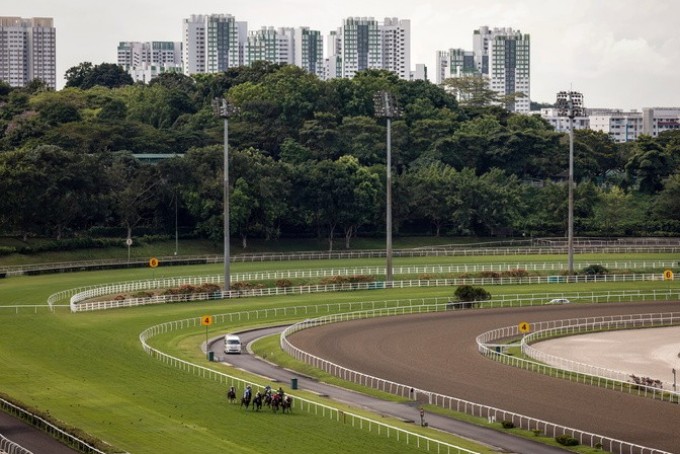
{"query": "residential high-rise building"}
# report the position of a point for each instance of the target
(360, 46)
(146, 60)
(502, 56)
(363, 43)
(396, 46)
(28, 51)
(270, 44)
(455, 63)
(509, 66)
(309, 51)
(213, 43)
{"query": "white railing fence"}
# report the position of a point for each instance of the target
(299, 403)
(546, 330)
(448, 402)
(85, 300)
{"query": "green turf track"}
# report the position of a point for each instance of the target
(89, 371)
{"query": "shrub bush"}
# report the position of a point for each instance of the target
(508, 424)
(142, 294)
(5, 250)
(593, 270)
(566, 440)
(470, 293)
(518, 272)
(489, 274)
(335, 280)
(284, 283)
(208, 288)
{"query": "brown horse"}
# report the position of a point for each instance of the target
(231, 395)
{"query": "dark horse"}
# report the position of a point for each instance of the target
(287, 404)
(245, 401)
(268, 399)
(276, 402)
(231, 395)
(257, 402)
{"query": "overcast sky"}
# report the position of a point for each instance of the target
(618, 53)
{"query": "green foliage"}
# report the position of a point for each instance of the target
(566, 440)
(308, 159)
(593, 270)
(470, 293)
(507, 424)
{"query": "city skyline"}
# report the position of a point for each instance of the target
(619, 54)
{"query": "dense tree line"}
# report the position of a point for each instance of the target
(308, 158)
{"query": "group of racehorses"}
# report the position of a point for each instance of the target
(273, 400)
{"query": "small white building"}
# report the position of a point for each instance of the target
(621, 126)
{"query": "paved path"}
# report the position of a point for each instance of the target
(438, 352)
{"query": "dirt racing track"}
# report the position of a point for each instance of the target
(438, 352)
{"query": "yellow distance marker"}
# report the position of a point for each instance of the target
(206, 320)
(153, 262)
(524, 327)
(668, 275)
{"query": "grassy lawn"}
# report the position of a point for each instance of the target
(89, 371)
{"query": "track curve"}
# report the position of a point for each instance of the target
(438, 352)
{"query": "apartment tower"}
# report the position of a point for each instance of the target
(28, 51)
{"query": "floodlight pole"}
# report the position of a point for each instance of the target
(570, 104)
(570, 232)
(385, 106)
(223, 110)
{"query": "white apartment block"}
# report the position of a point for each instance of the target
(509, 66)
(300, 46)
(309, 51)
(213, 43)
(360, 46)
(363, 43)
(501, 55)
(271, 45)
(656, 120)
(562, 124)
(420, 73)
(619, 125)
(28, 51)
(146, 60)
(455, 63)
(396, 46)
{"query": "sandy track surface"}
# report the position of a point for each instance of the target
(438, 352)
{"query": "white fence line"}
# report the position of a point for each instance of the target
(556, 247)
(376, 271)
(451, 403)
(545, 330)
(48, 427)
(300, 403)
(82, 301)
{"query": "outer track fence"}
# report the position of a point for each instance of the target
(84, 300)
(46, 426)
(511, 248)
(600, 376)
(447, 402)
(299, 403)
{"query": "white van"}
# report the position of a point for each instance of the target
(232, 344)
